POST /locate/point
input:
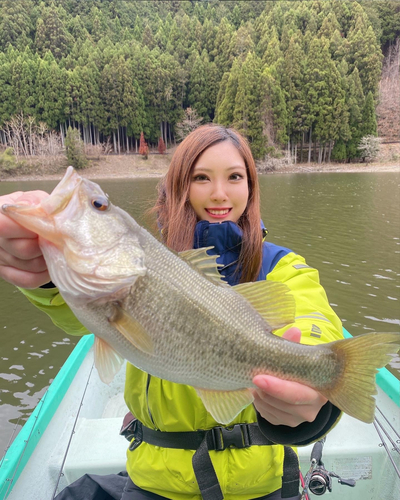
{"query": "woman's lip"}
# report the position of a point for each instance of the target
(218, 213)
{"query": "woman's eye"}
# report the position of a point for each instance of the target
(100, 203)
(236, 177)
(200, 177)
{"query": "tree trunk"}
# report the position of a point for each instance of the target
(114, 141)
(295, 153)
(309, 146)
(301, 150)
(330, 151)
(62, 135)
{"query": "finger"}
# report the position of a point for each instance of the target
(21, 248)
(306, 411)
(285, 390)
(34, 265)
(11, 229)
(275, 416)
(24, 279)
(293, 334)
(29, 197)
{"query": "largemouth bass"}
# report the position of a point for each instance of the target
(173, 317)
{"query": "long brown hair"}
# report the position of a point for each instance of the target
(175, 215)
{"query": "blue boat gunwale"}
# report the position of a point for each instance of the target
(24, 444)
(19, 453)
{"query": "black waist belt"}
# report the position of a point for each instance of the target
(217, 439)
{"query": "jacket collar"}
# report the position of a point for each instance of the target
(221, 235)
(226, 240)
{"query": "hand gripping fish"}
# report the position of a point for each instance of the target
(173, 317)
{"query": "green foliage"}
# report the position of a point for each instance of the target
(279, 71)
(75, 149)
(247, 110)
(8, 162)
(369, 125)
(339, 151)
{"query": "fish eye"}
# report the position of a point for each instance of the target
(100, 203)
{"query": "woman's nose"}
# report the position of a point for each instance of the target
(218, 192)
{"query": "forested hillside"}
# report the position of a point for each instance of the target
(284, 73)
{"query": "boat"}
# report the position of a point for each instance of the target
(75, 427)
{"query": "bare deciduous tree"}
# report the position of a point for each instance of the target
(388, 109)
(369, 147)
(189, 123)
(28, 139)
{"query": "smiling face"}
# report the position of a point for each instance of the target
(219, 187)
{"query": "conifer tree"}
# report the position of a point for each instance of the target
(293, 85)
(247, 110)
(272, 51)
(23, 79)
(51, 34)
(368, 119)
(365, 54)
(50, 91)
(326, 109)
(346, 148)
(273, 108)
(148, 38)
(7, 102)
(225, 110)
(16, 26)
(202, 86)
(329, 26)
(222, 53)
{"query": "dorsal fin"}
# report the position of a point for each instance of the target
(205, 264)
(270, 299)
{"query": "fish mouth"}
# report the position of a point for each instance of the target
(39, 217)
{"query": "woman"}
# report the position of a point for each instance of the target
(209, 197)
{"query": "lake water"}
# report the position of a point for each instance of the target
(347, 225)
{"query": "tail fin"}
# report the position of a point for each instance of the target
(362, 356)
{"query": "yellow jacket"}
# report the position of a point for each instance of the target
(159, 404)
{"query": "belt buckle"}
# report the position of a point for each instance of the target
(137, 433)
(231, 437)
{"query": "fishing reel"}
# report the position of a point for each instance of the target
(318, 479)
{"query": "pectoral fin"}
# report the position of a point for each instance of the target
(272, 300)
(131, 329)
(224, 406)
(108, 362)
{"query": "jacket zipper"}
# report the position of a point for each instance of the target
(147, 400)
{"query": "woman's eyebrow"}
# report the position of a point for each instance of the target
(206, 169)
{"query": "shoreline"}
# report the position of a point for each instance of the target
(128, 167)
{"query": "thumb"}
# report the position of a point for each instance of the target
(293, 334)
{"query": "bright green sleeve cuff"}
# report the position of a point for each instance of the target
(50, 302)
